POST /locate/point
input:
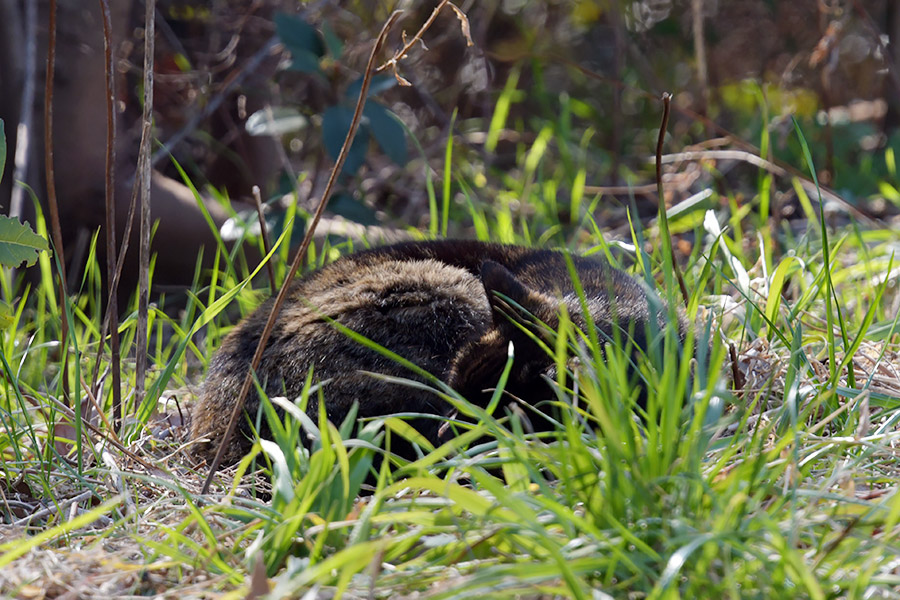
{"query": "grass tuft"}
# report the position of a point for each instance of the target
(661, 477)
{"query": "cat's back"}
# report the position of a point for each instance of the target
(412, 305)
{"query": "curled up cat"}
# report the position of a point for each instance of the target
(450, 307)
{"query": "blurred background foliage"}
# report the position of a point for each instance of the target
(582, 78)
(551, 115)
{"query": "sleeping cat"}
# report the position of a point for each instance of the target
(450, 307)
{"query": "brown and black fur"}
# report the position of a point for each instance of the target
(442, 305)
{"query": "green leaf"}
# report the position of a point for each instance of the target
(305, 62)
(6, 316)
(298, 35)
(303, 41)
(335, 125)
(332, 43)
(345, 205)
(773, 302)
(387, 131)
(18, 243)
(408, 433)
(889, 192)
(378, 84)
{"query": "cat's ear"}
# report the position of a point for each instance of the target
(514, 305)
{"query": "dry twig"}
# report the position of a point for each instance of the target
(264, 234)
(51, 180)
(144, 169)
(663, 220)
(301, 252)
(408, 44)
(112, 307)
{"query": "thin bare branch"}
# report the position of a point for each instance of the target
(112, 307)
(409, 43)
(48, 160)
(663, 220)
(56, 230)
(264, 233)
(144, 177)
(301, 253)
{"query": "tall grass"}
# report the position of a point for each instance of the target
(659, 479)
